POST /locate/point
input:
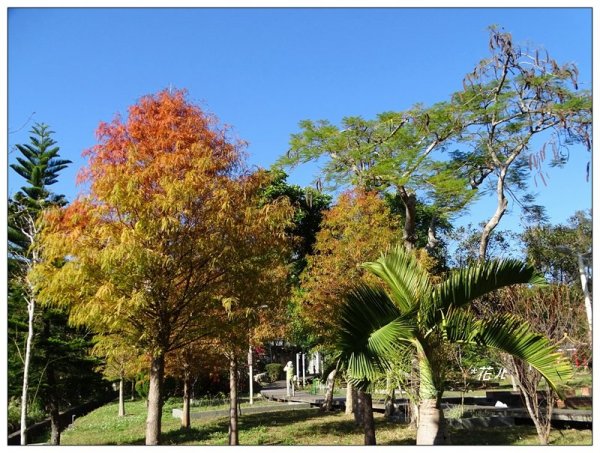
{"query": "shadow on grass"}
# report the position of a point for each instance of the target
(292, 424)
(180, 436)
(489, 436)
(211, 428)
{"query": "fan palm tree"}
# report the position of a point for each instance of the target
(411, 314)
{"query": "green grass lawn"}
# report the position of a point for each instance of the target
(301, 427)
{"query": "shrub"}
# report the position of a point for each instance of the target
(274, 371)
(35, 413)
(142, 385)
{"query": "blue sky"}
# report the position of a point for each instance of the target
(263, 70)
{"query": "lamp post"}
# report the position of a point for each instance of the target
(251, 362)
(584, 285)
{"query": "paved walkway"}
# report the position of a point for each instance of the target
(276, 391)
(246, 410)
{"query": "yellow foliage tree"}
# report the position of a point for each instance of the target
(149, 252)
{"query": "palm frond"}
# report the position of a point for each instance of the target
(514, 336)
(467, 284)
(459, 326)
(406, 278)
(370, 330)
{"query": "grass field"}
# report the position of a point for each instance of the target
(302, 427)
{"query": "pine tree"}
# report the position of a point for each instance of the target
(39, 165)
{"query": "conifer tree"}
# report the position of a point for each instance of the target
(39, 165)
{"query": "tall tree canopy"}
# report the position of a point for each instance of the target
(149, 250)
(393, 152)
(516, 104)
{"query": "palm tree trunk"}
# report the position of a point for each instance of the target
(349, 399)
(154, 417)
(368, 421)
(431, 429)
(432, 426)
(233, 397)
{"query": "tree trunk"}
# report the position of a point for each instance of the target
(51, 398)
(410, 207)
(359, 411)
(185, 417)
(431, 429)
(233, 397)
(30, 313)
(368, 421)
(54, 423)
(495, 219)
(513, 381)
(413, 414)
(133, 390)
(390, 409)
(121, 397)
(153, 420)
(328, 403)
(432, 426)
(432, 240)
(527, 381)
(349, 399)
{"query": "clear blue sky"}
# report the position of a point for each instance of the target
(263, 70)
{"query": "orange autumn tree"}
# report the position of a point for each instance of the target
(357, 229)
(147, 253)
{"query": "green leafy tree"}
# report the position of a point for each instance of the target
(564, 252)
(39, 165)
(409, 314)
(309, 207)
(554, 248)
(392, 152)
